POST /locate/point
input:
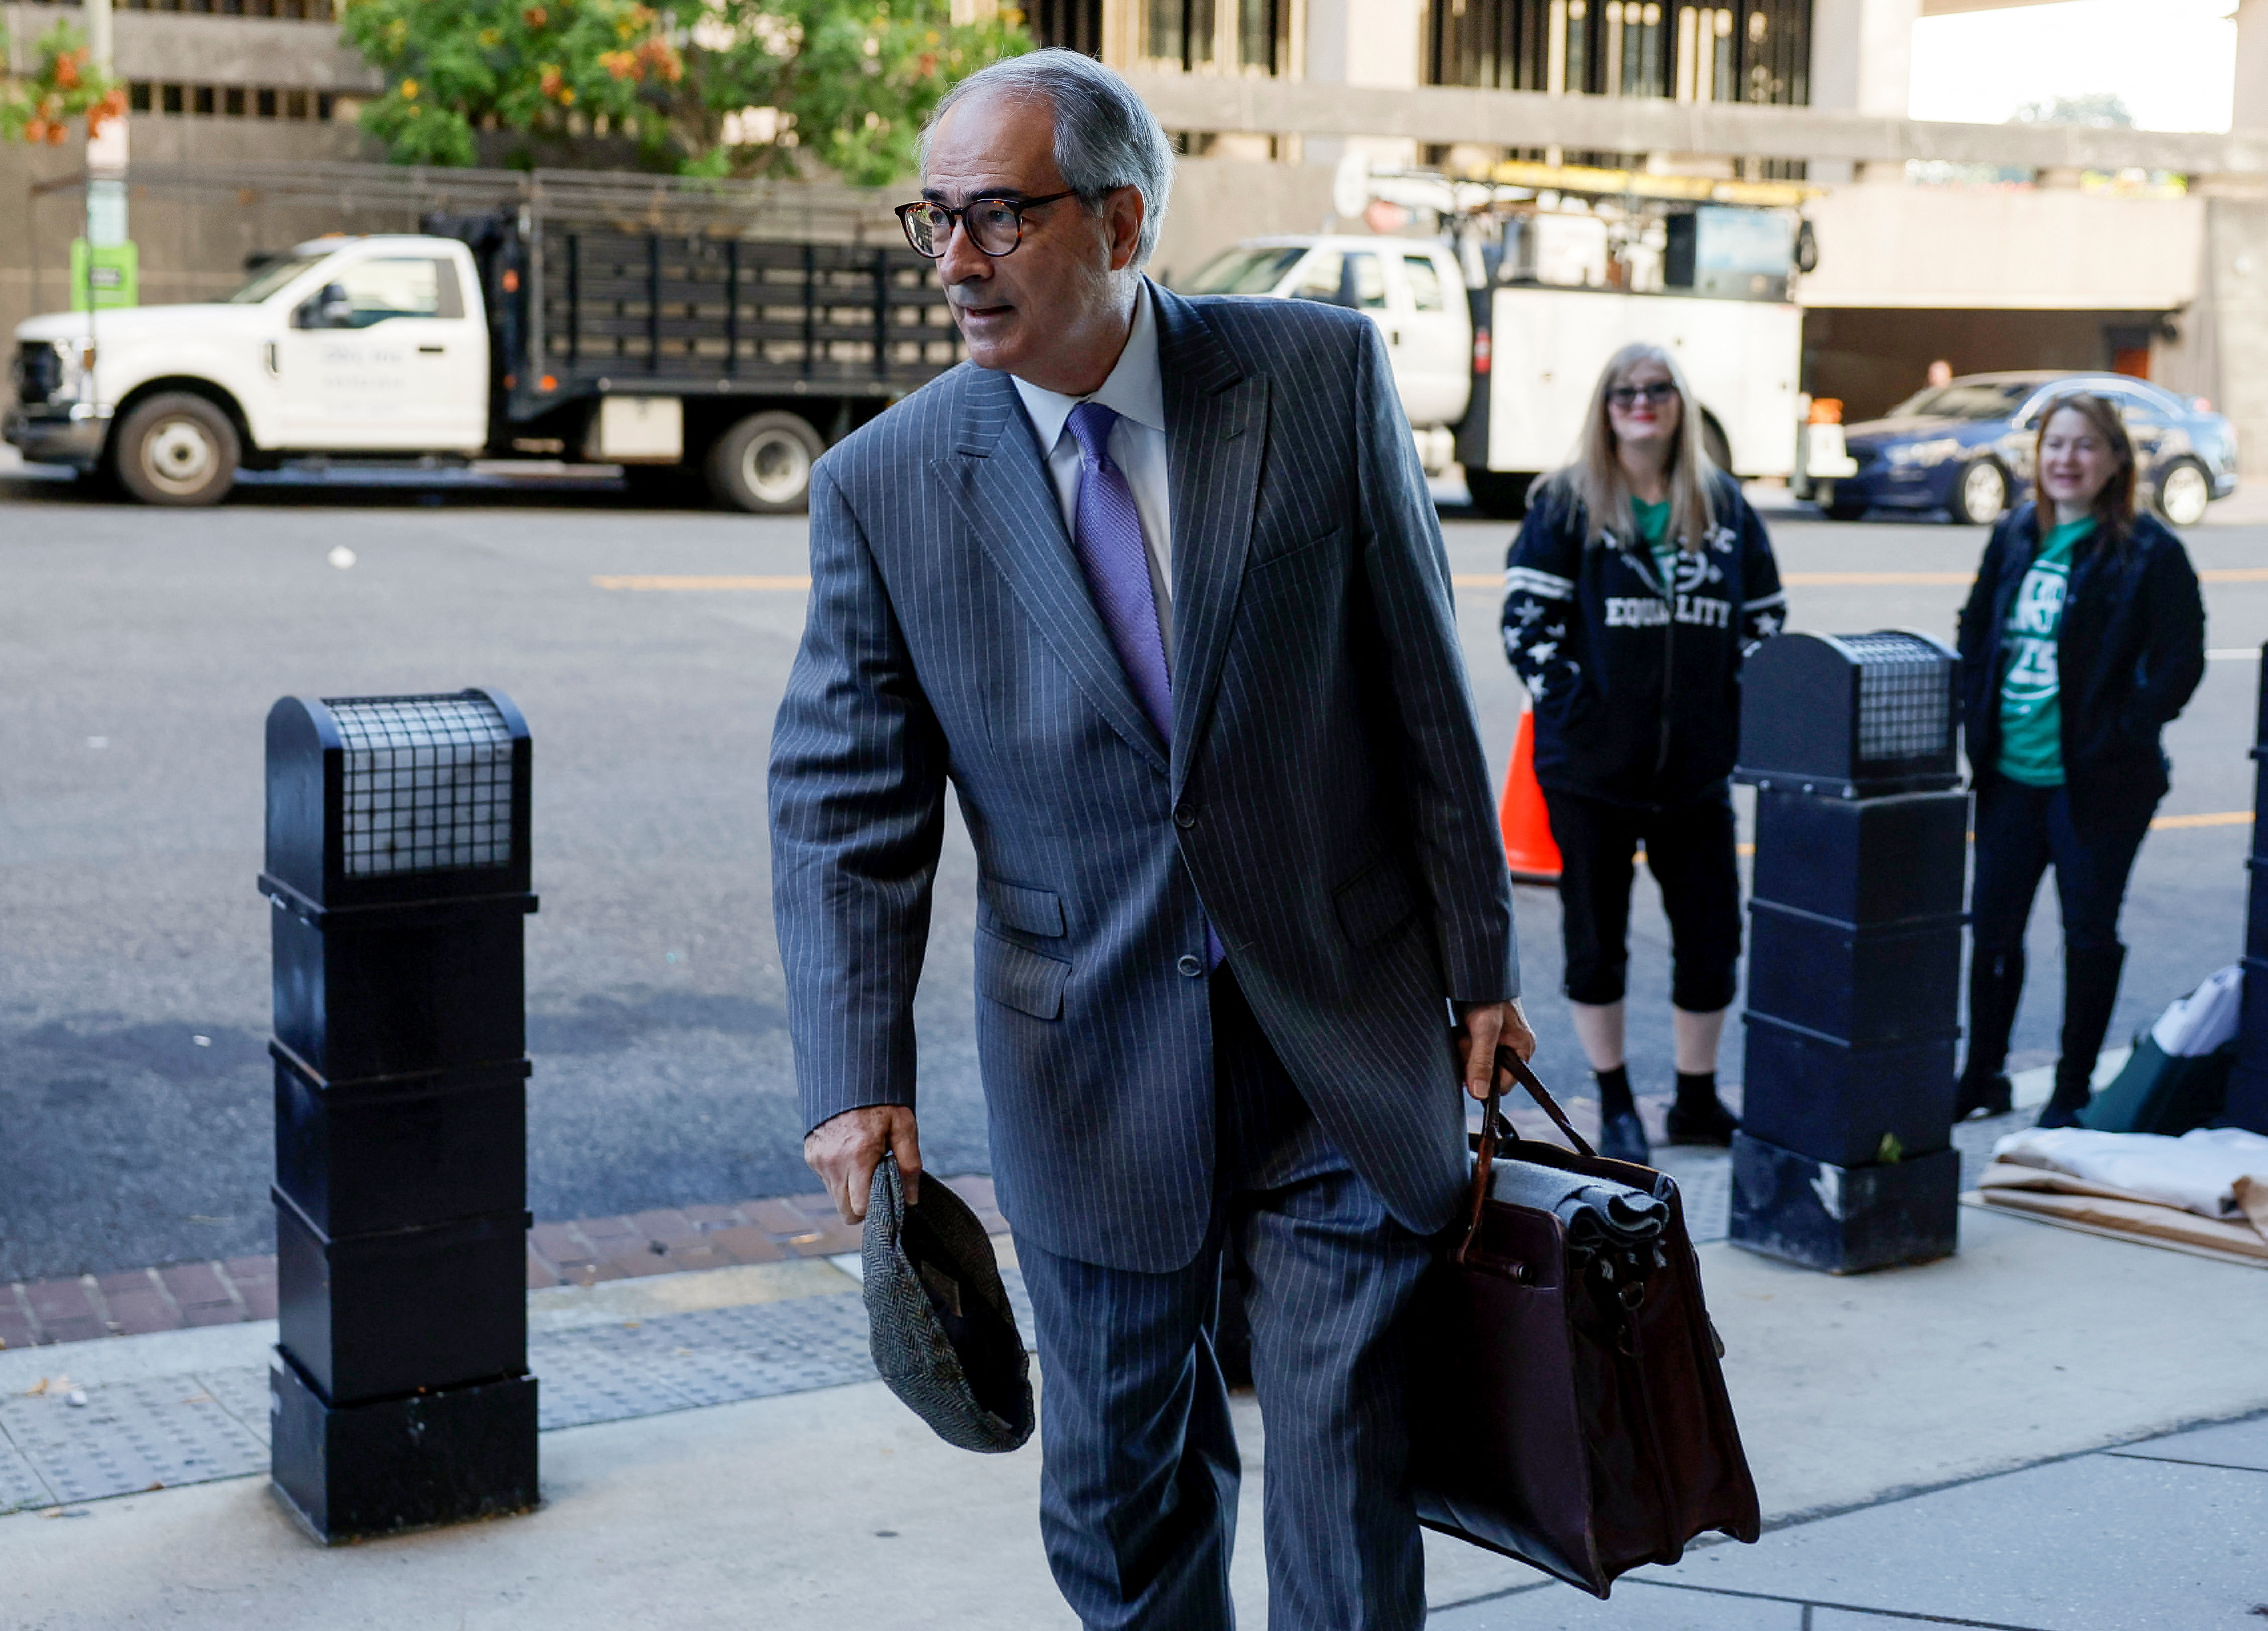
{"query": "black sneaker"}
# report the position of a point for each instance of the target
(1993, 1097)
(1621, 1137)
(1709, 1123)
(2056, 1114)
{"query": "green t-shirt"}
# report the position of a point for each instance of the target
(2031, 700)
(1654, 527)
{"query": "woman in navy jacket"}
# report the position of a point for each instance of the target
(2083, 636)
(1638, 582)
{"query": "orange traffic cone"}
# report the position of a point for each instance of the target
(1528, 849)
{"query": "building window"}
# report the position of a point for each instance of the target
(137, 96)
(264, 104)
(200, 101)
(1756, 53)
(1216, 36)
(233, 102)
(1074, 25)
(169, 98)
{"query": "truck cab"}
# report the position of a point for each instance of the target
(1411, 288)
(375, 345)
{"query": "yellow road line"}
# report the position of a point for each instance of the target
(640, 581)
(2220, 817)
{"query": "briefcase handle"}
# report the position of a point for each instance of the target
(1496, 1127)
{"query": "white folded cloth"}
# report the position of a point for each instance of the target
(2199, 1171)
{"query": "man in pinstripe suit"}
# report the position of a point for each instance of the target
(1155, 586)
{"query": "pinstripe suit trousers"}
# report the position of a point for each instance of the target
(1140, 1489)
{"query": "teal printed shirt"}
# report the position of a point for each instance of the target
(2031, 698)
(1654, 527)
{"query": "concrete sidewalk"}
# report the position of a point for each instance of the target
(1929, 1443)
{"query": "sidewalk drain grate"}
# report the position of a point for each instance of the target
(195, 1428)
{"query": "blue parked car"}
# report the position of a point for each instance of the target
(1965, 448)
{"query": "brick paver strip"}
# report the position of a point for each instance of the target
(577, 1252)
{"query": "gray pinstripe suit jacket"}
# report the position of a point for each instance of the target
(1324, 799)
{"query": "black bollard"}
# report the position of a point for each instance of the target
(2247, 1082)
(1844, 1161)
(398, 869)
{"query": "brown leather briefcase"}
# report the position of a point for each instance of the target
(1568, 1409)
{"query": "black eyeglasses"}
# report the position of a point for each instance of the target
(995, 225)
(1631, 396)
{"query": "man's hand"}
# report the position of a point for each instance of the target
(845, 1149)
(1489, 1025)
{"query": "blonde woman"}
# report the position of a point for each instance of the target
(1638, 582)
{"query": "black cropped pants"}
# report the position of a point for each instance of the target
(1689, 849)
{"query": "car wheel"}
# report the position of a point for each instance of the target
(1981, 492)
(763, 464)
(1499, 494)
(2183, 492)
(1846, 512)
(177, 449)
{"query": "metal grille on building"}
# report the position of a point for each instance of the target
(1758, 53)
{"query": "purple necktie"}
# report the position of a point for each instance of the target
(1116, 563)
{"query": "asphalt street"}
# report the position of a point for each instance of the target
(140, 650)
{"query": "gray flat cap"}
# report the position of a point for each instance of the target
(944, 1336)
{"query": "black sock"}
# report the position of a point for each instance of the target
(1696, 1088)
(1615, 1090)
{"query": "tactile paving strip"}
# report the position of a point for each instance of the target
(679, 1361)
(1707, 1197)
(130, 1436)
(241, 1390)
(20, 1486)
(189, 1429)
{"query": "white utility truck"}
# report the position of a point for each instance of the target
(658, 327)
(1498, 328)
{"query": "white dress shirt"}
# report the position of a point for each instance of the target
(1137, 391)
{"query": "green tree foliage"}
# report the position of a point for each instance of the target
(706, 87)
(62, 86)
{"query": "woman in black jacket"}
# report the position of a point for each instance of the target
(1638, 582)
(2083, 636)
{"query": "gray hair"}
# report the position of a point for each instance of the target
(1105, 137)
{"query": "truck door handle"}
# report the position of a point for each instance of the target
(431, 350)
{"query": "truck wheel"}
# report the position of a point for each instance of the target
(763, 464)
(1499, 494)
(176, 449)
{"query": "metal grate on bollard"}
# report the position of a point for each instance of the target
(1906, 709)
(428, 783)
(1850, 715)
